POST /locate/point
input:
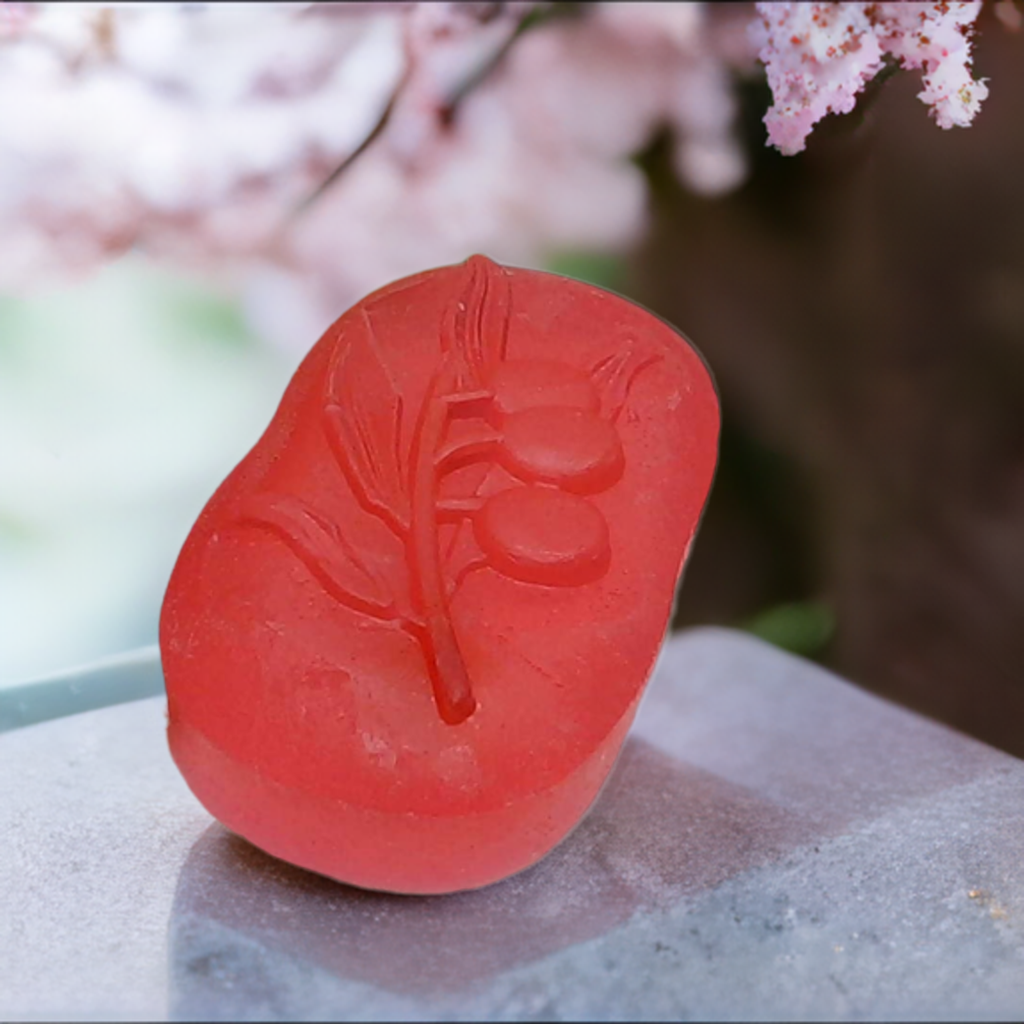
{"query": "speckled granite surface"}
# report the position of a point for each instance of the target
(774, 844)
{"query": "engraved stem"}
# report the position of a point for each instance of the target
(445, 664)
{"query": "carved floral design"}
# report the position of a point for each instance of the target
(549, 425)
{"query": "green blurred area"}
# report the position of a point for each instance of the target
(204, 318)
(124, 401)
(801, 627)
(606, 270)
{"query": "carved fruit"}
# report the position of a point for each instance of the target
(542, 535)
(521, 384)
(574, 449)
(405, 639)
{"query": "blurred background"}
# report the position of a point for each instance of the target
(190, 194)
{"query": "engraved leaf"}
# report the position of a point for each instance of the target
(613, 376)
(323, 549)
(475, 328)
(363, 420)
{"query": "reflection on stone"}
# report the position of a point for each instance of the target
(660, 829)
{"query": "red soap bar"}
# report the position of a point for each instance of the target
(405, 639)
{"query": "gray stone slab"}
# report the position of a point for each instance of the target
(773, 844)
(100, 684)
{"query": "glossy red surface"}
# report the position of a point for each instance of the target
(406, 637)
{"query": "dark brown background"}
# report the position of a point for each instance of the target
(862, 306)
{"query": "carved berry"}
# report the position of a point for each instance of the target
(571, 448)
(520, 384)
(543, 535)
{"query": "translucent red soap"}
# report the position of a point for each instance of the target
(406, 637)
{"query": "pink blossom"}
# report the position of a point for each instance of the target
(313, 151)
(936, 37)
(819, 56)
(205, 134)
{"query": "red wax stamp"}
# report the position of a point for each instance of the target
(405, 639)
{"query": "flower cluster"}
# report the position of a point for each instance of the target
(819, 56)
